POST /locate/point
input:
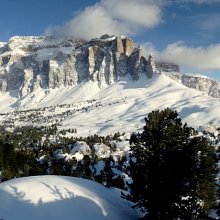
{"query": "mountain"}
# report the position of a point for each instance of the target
(68, 88)
(120, 107)
(199, 82)
(57, 197)
(97, 86)
(28, 63)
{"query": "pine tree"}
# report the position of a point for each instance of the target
(173, 173)
(1, 155)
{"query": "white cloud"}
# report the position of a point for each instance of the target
(197, 58)
(149, 48)
(140, 13)
(118, 17)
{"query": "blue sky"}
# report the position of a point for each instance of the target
(183, 31)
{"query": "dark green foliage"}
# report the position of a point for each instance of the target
(41, 150)
(107, 177)
(107, 174)
(83, 168)
(16, 163)
(1, 155)
(173, 173)
(35, 151)
(118, 182)
(57, 166)
(9, 162)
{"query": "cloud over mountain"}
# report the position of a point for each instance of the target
(200, 58)
(131, 17)
(118, 17)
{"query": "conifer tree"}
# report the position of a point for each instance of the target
(1, 155)
(173, 170)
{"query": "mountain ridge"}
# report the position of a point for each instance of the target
(120, 107)
(31, 62)
(41, 85)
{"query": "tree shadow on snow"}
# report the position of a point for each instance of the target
(69, 206)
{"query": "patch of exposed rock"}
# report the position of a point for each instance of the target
(27, 63)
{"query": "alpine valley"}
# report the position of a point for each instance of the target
(70, 107)
(102, 86)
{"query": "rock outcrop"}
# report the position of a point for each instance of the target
(28, 63)
(204, 84)
(167, 67)
(199, 82)
(151, 66)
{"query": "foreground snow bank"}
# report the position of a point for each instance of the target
(58, 197)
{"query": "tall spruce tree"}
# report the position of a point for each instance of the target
(173, 169)
(1, 156)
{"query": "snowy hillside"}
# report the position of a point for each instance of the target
(29, 63)
(103, 86)
(197, 81)
(120, 107)
(57, 197)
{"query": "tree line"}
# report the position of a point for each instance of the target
(173, 168)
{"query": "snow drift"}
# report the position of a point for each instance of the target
(58, 197)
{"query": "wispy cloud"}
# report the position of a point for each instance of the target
(199, 58)
(119, 17)
(130, 17)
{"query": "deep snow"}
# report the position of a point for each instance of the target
(120, 107)
(59, 197)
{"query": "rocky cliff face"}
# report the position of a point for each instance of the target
(201, 83)
(206, 85)
(27, 63)
(167, 67)
(195, 81)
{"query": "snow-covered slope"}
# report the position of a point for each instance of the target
(197, 81)
(57, 197)
(28, 63)
(2, 44)
(122, 106)
(101, 86)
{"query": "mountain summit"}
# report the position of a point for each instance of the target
(27, 63)
(102, 86)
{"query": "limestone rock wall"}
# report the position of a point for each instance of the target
(30, 63)
(206, 85)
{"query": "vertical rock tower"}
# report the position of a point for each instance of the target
(151, 66)
(30, 63)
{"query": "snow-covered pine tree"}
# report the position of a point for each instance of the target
(173, 170)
